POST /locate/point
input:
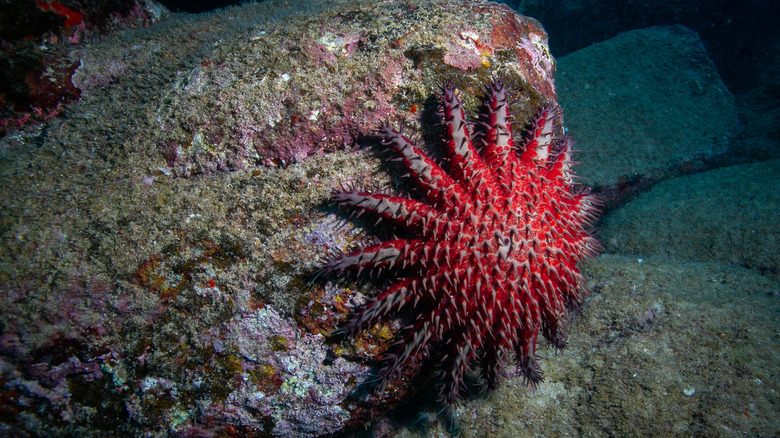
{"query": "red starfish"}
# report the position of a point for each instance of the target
(492, 257)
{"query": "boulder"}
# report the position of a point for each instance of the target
(643, 104)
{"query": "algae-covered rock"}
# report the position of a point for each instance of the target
(160, 238)
(728, 214)
(644, 103)
(284, 90)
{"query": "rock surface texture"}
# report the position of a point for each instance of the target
(141, 301)
(644, 104)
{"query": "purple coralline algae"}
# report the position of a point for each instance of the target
(301, 87)
(280, 385)
(307, 396)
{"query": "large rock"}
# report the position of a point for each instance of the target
(643, 104)
(137, 302)
(729, 214)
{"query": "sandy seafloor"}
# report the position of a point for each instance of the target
(680, 335)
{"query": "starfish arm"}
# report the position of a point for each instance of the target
(525, 354)
(386, 255)
(498, 149)
(462, 347)
(501, 343)
(588, 246)
(415, 342)
(537, 146)
(438, 186)
(563, 162)
(465, 163)
(411, 214)
(553, 309)
(587, 209)
(496, 326)
(415, 254)
(392, 299)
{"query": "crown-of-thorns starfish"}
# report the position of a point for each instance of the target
(491, 257)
